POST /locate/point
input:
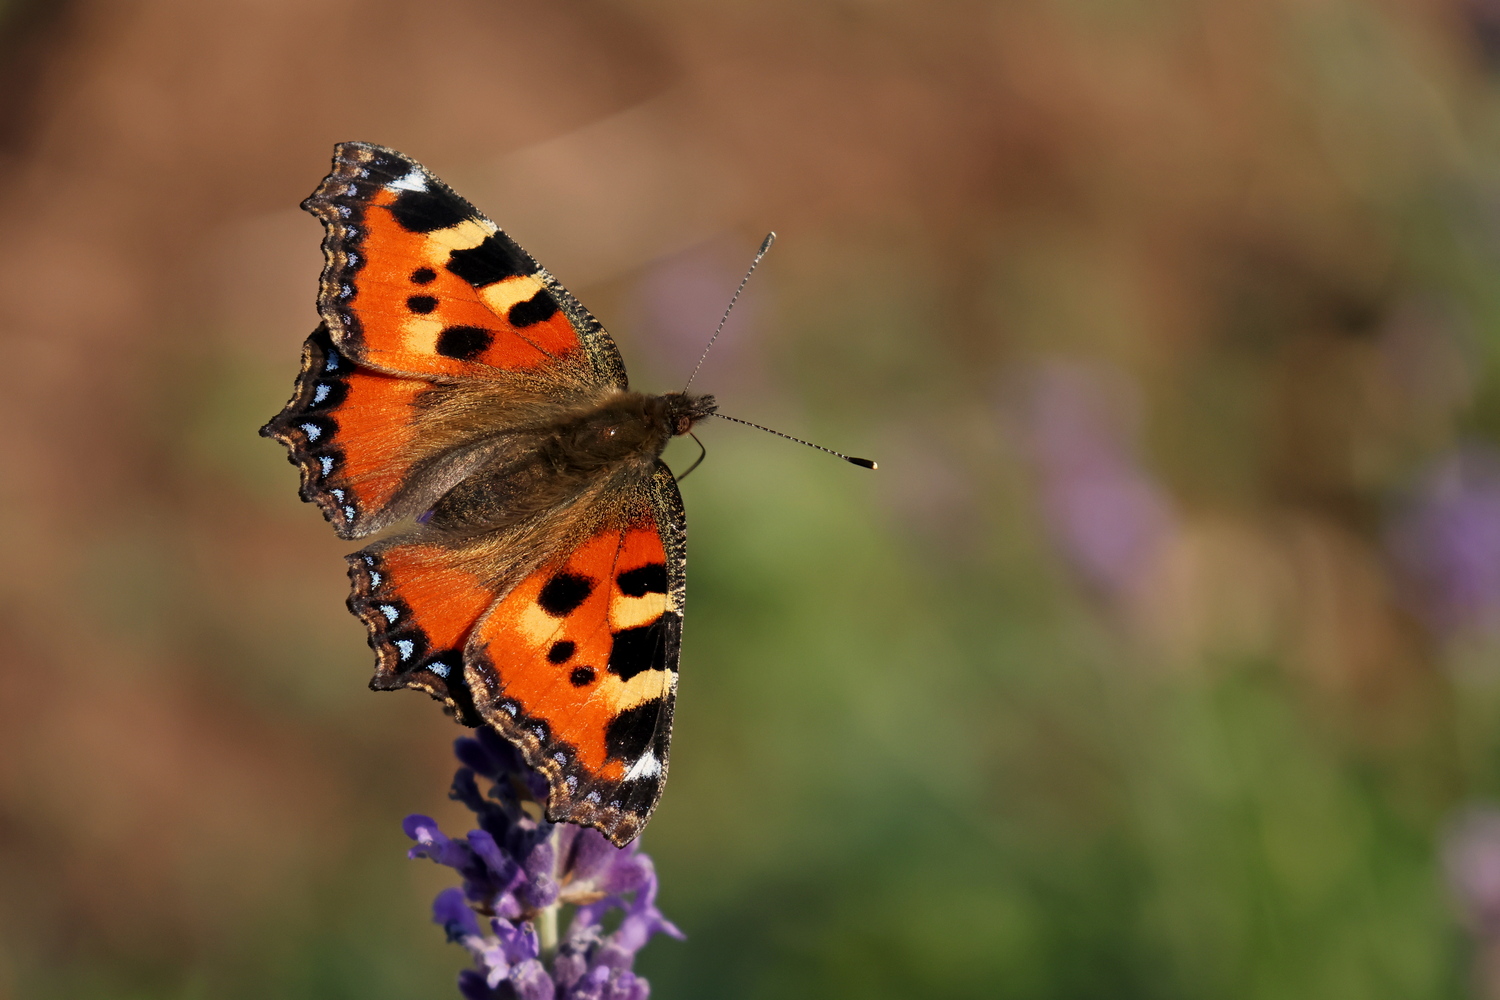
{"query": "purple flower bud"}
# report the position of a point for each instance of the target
(432, 843)
(572, 961)
(605, 983)
(532, 982)
(452, 911)
(540, 889)
(502, 868)
(491, 757)
(519, 942)
(491, 957)
(471, 754)
(588, 853)
(629, 873)
(638, 927)
(626, 985)
(508, 907)
(588, 919)
(592, 986)
(473, 986)
(466, 790)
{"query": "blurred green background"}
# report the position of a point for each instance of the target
(1160, 659)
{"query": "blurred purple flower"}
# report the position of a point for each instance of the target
(1471, 862)
(1445, 542)
(518, 872)
(684, 295)
(1105, 512)
(679, 300)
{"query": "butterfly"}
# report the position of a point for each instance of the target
(456, 387)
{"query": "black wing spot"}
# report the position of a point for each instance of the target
(427, 211)
(423, 276)
(464, 343)
(648, 579)
(537, 309)
(636, 649)
(561, 652)
(629, 733)
(581, 677)
(495, 259)
(423, 304)
(564, 593)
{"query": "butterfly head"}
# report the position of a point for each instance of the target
(628, 428)
(682, 410)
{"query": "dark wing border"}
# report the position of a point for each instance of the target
(309, 432)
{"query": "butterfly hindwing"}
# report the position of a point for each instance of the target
(571, 654)
(419, 604)
(577, 664)
(416, 281)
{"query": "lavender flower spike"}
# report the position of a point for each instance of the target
(519, 872)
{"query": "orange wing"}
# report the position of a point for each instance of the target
(575, 662)
(351, 432)
(418, 282)
(577, 665)
(420, 603)
(422, 297)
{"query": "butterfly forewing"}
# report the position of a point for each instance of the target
(533, 593)
(417, 281)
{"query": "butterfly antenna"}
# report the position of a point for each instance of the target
(863, 463)
(764, 246)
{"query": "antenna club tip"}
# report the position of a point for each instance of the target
(863, 463)
(765, 244)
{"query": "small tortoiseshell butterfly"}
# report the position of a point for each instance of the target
(454, 381)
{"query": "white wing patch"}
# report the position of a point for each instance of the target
(413, 180)
(647, 767)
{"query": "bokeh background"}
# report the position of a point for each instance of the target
(1160, 659)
